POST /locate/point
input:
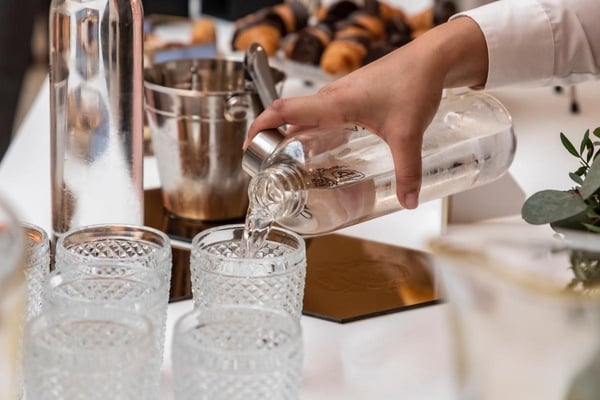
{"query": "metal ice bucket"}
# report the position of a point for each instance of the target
(198, 111)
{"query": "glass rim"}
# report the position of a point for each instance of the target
(469, 248)
(122, 229)
(204, 317)
(37, 239)
(196, 250)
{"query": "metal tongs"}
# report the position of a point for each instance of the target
(259, 73)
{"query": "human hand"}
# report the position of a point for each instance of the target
(394, 97)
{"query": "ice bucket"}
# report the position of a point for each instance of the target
(198, 111)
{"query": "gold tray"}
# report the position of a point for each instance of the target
(347, 279)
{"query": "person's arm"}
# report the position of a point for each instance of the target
(540, 42)
(395, 97)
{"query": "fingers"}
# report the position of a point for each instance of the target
(306, 111)
(406, 151)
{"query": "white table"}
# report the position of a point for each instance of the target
(404, 355)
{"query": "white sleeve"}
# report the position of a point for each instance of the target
(540, 42)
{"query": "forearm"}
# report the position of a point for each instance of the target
(458, 48)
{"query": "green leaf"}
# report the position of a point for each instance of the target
(597, 132)
(584, 141)
(592, 181)
(591, 213)
(581, 170)
(568, 145)
(592, 228)
(576, 178)
(574, 223)
(552, 205)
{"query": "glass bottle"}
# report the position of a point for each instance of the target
(96, 100)
(318, 181)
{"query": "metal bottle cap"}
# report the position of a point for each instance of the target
(261, 147)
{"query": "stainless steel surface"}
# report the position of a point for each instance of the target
(257, 64)
(261, 147)
(265, 143)
(199, 111)
(96, 112)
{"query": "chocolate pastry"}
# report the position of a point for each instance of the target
(371, 23)
(398, 31)
(264, 33)
(308, 45)
(268, 26)
(347, 52)
(442, 11)
(290, 17)
(343, 56)
(382, 10)
(378, 50)
(336, 12)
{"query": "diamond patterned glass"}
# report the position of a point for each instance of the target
(114, 285)
(12, 296)
(273, 278)
(231, 353)
(140, 244)
(97, 355)
(37, 266)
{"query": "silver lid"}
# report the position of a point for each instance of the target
(261, 147)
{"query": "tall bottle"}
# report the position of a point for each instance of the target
(318, 181)
(96, 100)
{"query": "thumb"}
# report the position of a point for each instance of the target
(406, 152)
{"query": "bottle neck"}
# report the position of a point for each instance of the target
(279, 191)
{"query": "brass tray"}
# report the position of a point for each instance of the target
(348, 279)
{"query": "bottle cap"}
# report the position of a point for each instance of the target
(261, 147)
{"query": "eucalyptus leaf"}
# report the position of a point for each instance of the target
(552, 205)
(568, 145)
(597, 132)
(592, 181)
(591, 213)
(573, 223)
(576, 178)
(592, 228)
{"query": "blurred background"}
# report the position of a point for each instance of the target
(24, 55)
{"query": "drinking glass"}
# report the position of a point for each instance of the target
(525, 312)
(37, 266)
(12, 300)
(274, 277)
(96, 354)
(140, 244)
(237, 352)
(113, 285)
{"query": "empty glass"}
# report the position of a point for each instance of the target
(231, 353)
(274, 277)
(37, 266)
(97, 355)
(12, 299)
(526, 320)
(140, 244)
